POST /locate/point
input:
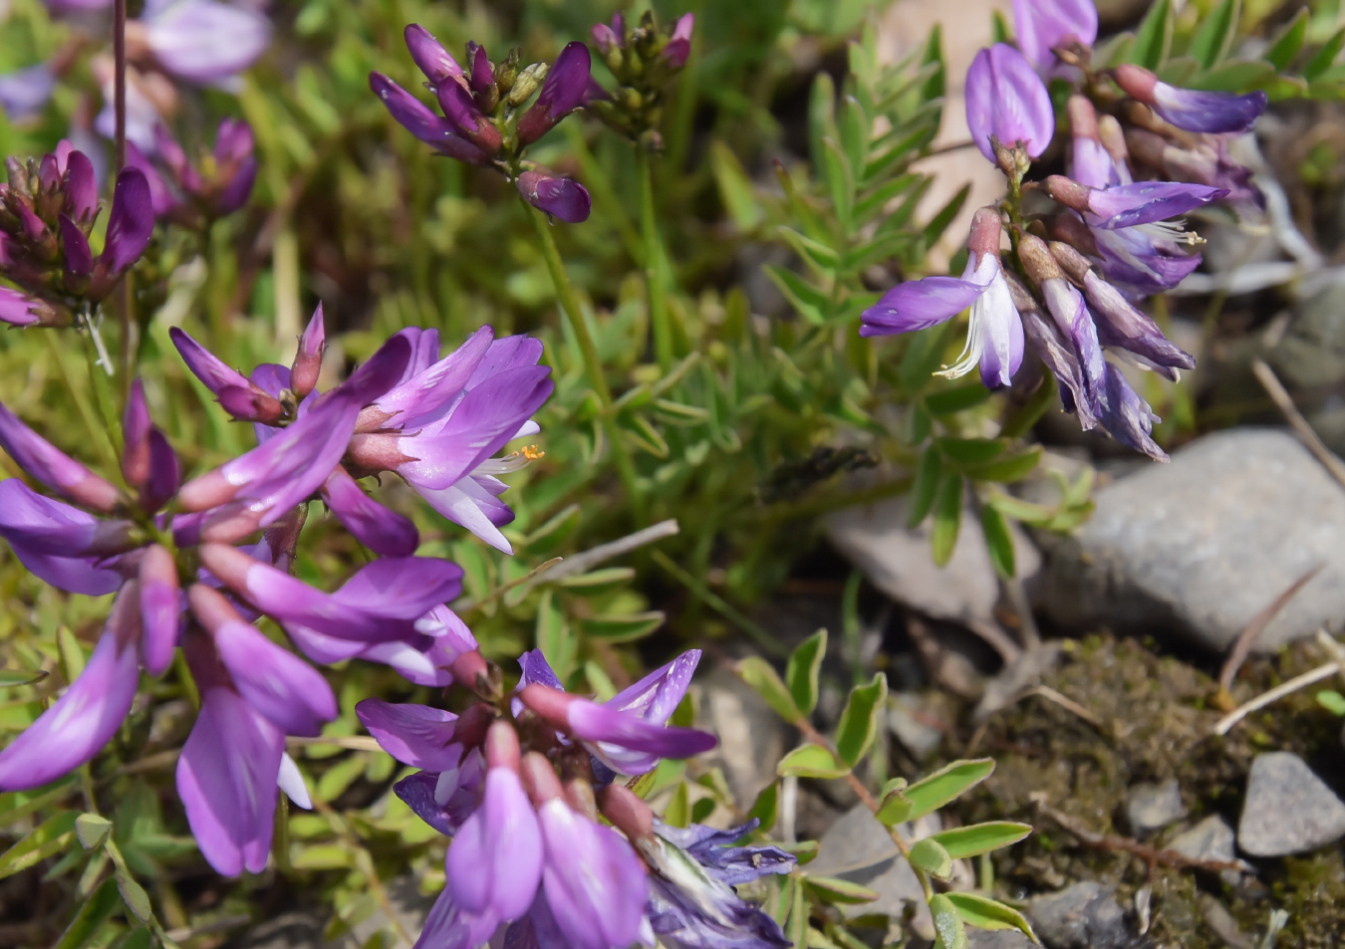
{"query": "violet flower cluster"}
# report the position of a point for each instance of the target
(486, 119)
(48, 210)
(643, 60)
(194, 564)
(193, 194)
(521, 782)
(1141, 154)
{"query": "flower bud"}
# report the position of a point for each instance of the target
(308, 360)
(526, 84)
(560, 197)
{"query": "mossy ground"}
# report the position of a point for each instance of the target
(1154, 720)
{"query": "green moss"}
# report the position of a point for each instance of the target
(1154, 719)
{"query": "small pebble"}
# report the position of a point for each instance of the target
(1151, 807)
(1288, 809)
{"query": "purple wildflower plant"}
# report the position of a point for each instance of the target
(438, 427)
(173, 554)
(484, 117)
(47, 213)
(520, 781)
(1141, 156)
(643, 59)
(193, 194)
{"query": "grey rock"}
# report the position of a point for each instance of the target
(1288, 809)
(1211, 839)
(1151, 807)
(1202, 545)
(1218, 918)
(1081, 916)
(858, 848)
(752, 738)
(896, 560)
(1311, 352)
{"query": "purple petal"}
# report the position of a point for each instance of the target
(416, 735)
(1128, 418)
(537, 670)
(429, 393)
(594, 884)
(160, 608)
(445, 810)
(487, 418)
(1147, 201)
(448, 927)
(420, 121)
(1006, 99)
(495, 863)
(562, 93)
(277, 684)
(165, 473)
(1042, 25)
(53, 467)
(131, 223)
(1120, 324)
(81, 187)
(204, 364)
(468, 504)
(919, 304)
(655, 697)
(560, 197)
(26, 92)
(308, 360)
(1212, 112)
(81, 721)
(227, 778)
(430, 56)
(997, 319)
(381, 530)
(382, 601)
(52, 540)
(204, 42)
(17, 309)
(234, 141)
(483, 76)
(629, 744)
(76, 250)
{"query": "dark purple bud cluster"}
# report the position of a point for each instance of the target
(643, 60)
(47, 213)
(1141, 154)
(486, 117)
(193, 194)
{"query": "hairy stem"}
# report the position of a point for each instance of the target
(569, 302)
(119, 108)
(655, 264)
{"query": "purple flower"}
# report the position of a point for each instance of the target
(562, 93)
(1091, 162)
(677, 51)
(1128, 418)
(1191, 109)
(1042, 25)
(1066, 305)
(995, 333)
(430, 56)
(495, 864)
(1119, 324)
(627, 740)
(557, 196)
(142, 114)
(19, 310)
(186, 194)
(593, 883)
(82, 720)
(1130, 205)
(420, 121)
(26, 92)
(203, 41)
(439, 427)
(1007, 102)
(692, 872)
(1057, 353)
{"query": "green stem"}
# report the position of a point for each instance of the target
(100, 436)
(569, 302)
(655, 265)
(597, 181)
